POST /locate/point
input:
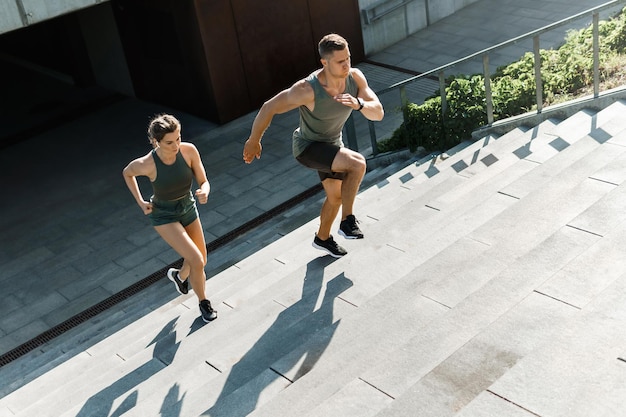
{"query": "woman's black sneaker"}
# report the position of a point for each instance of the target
(207, 312)
(330, 246)
(181, 286)
(349, 228)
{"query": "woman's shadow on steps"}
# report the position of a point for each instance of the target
(101, 403)
(295, 339)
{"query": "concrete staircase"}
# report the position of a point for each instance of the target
(490, 283)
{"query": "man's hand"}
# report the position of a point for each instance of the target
(348, 101)
(252, 149)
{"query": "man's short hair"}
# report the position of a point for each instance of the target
(331, 43)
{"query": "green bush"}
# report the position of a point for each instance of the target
(466, 105)
(513, 88)
(423, 127)
(564, 71)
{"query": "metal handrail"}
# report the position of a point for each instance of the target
(535, 34)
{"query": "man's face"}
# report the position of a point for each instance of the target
(338, 64)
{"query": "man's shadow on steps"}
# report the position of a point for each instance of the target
(294, 338)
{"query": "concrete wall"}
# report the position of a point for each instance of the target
(10, 17)
(104, 48)
(407, 16)
(385, 22)
(15, 14)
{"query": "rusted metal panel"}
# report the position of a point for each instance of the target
(276, 44)
(226, 57)
(342, 17)
(222, 59)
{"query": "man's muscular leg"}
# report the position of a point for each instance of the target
(353, 165)
(330, 208)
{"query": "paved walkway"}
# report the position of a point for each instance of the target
(71, 233)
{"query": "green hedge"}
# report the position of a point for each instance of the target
(564, 71)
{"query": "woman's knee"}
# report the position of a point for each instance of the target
(196, 261)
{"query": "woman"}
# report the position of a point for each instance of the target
(171, 166)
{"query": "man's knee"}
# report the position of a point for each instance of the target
(332, 188)
(359, 165)
(355, 162)
(334, 199)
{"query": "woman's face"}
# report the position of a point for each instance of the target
(171, 142)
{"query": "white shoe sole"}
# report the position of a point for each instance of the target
(334, 255)
(348, 236)
(213, 317)
(170, 276)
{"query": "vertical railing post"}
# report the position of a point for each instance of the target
(444, 106)
(404, 102)
(351, 133)
(596, 55)
(24, 15)
(538, 82)
(373, 139)
(442, 93)
(488, 95)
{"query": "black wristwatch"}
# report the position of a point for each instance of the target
(361, 103)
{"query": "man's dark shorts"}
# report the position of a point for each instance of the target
(320, 156)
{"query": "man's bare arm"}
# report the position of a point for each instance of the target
(299, 94)
(372, 107)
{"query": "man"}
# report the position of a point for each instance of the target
(325, 100)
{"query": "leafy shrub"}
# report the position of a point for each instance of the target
(423, 127)
(564, 71)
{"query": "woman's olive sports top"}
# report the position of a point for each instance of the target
(172, 181)
(325, 122)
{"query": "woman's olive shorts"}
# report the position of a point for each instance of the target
(183, 211)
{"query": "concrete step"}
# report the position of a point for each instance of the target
(83, 355)
(259, 242)
(273, 330)
(434, 269)
(531, 324)
(590, 347)
(74, 341)
(392, 371)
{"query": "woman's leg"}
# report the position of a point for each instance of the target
(197, 235)
(195, 232)
(189, 244)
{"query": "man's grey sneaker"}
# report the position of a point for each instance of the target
(181, 286)
(207, 312)
(330, 246)
(349, 229)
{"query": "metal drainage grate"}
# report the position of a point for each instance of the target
(104, 305)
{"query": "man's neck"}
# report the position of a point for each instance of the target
(329, 81)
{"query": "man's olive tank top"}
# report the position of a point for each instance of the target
(325, 122)
(172, 181)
